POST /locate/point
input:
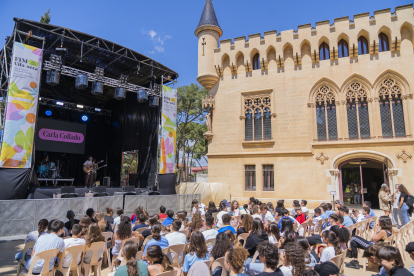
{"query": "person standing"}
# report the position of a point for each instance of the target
(395, 212)
(357, 196)
(385, 199)
(403, 206)
(88, 166)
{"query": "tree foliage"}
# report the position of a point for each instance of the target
(46, 17)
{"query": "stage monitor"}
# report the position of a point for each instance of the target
(60, 136)
(166, 184)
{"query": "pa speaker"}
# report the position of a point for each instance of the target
(99, 189)
(166, 184)
(128, 189)
(67, 190)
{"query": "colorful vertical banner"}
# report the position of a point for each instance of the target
(168, 130)
(21, 107)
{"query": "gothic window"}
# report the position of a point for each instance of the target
(257, 110)
(323, 51)
(250, 177)
(362, 46)
(268, 178)
(391, 109)
(343, 48)
(383, 42)
(326, 114)
(256, 62)
(357, 111)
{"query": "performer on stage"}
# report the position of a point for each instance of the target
(45, 160)
(94, 171)
(87, 168)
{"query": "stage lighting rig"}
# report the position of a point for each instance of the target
(120, 91)
(81, 81)
(97, 86)
(53, 75)
(85, 118)
(154, 101)
(142, 96)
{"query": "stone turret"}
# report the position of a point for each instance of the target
(208, 33)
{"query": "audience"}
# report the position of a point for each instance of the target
(230, 235)
(311, 258)
(270, 206)
(141, 222)
(91, 213)
(234, 211)
(269, 256)
(73, 241)
(256, 237)
(223, 210)
(390, 258)
(196, 206)
(157, 239)
(33, 236)
(176, 237)
(256, 213)
(344, 211)
(197, 251)
(219, 250)
(300, 216)
(157, 261)
(285, 225)
(85, 222)
(279, 207)
(332, 249)
(365, 212)
(196, 223)
(183, 218)
(94, 235)
(234, 260)
(273, 233)
(169, 219)
(210, 233)
(70, 215)
(123, 232)
(303, 204)
(226, 224)
(119, 213)
(293, 259)
(109, 214)
(410, 249)
(103, 224)
(245, 224)
(132, 267)
(211, 209)
(147, 232)
(162, 214)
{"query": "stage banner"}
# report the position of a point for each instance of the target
(168, 130)
(21, 107)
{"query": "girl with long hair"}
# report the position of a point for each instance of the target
(70, 215)
(293, 259)
(256, 237)
(234, 241)
(333, 247)
(157, 239)
(132, 267)
(286, 226)
(137, 211)
(223, 210)
(245, 224)
(270, 206)
(157, 261)
(33, 236)
(403, 206)
(196, 223)
(219, 250)
(273, 232)
(311, 258)
(234, 211)
(123, 232)
(94, 235)
(245, 210)
(109, 214)
(285, 239)
(102, 223)
(211, 208)
(184, 222)
(197, 251)
(85, 222)
(343, 236)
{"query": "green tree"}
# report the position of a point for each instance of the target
(46, 17)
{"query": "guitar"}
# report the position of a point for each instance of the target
(89, 168)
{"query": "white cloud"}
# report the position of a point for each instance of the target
(157, 40)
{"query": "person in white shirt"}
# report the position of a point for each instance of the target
(358, 216)
(317, 217)
(176, 237)
(73, 241)
(333, 247)
(396, 213)
(196, 206)
(210, 233)
(223, 210)
(303, 204)
(119, 213)
(256, 213)
(265, 214)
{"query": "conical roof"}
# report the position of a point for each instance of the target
(208, 18)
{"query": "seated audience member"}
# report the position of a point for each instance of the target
(269, 256)
(211, 209)
(256, 213)
(152, 220)
(326, 269)
(285, 214)
(196, 223)
(85, 222)
(210, 233)
(340, 221)
(139, 210)
(311, 272)
(133, 267)
(273, 233)
(157, 261)
(70, 215)
(234, 241)
(245, 210)
(169, 219)
(198, 206)
(47, 242)
(91, 213)
(73, 241)
(219, 250)
(286, 225)
(119, 213)
(109, 214)
(410, 249)
(285, 239)
(293, 259)
(358, 216)
(103, 224)
(329, 211)
(245, 224)
(123, 232)
(175, 237)
(235, 211)
(324, 209)
(317, 218)
(295, 204)
(344, 211)
(386, 231)
(162, 214)
(390, 258)
(371, 213)
(94, 235)
(157, 239)
(141, 220)
(234, 260)
(33, 236)
(266, 215)
(197, 251)
(256, 237)
(280, 205)
(183, 217)
(333, 247)
(300, 216)
(370, 254)
(270, 206)
(303, 204)
(365, 212)
(338, 203)
(226, 224)
(343, 236)
(223, 210)
(311, 258)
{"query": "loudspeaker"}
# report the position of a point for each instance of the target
(106, 181)
(67, 190)
(166, 184)
(128, 189)
(133, 180)
(99, 189)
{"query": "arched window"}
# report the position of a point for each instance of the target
(326, 114)
(384, 45)
(362, 46)
(357, 111)
(323, 51)
(391, 109)
(258, 115)
(256, 62)
(343, 48)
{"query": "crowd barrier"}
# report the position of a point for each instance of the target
(22, 216)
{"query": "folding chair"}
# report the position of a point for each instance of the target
(208, 263)
(339, 261)
(140, 230)
(243, 237)
(168, 273)
(185, 232)
(97, 249)
(219, 262)
(22, 261)
(147, 239)
(108, 239)
(211, 242)
(46, 256)
(256, 254)
(120, 256)
(176, 255)
(74, 265)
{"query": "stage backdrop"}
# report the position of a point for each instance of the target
(168, 131)
(60, 136)
(22, 97)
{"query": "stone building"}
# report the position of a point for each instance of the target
(300, 113)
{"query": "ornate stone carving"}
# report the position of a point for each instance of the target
(356, 92)
(208, 103)
(370, 100)
(260, 101)
(324, 95)
(393, 172)
(322, 158)
(334, 172)
(404, 156)
(389, 87)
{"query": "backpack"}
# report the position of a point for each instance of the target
(410, 200)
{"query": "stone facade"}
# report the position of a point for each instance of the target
(295, 80)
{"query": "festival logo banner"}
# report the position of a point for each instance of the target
(168, 131)
(21, 107)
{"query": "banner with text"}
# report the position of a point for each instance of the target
(21, 107)
(168, 131)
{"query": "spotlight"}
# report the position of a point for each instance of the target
(97, 109)
(97, 86)
(79, 106)
(84, 118)
(40, 98)
(60, 103)
(154, 101)
(119, 93)
(48, 113)
(53, 75)
(81, 81)
(142, 96)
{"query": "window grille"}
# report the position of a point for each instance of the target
(391, 109)
(250, 175)
(357, 111)
(352, 120)
(397, 112)
(363, 119)
(258, 114)
(385, 118)
(267, 124)
(258, 125)
(249, 125)
(331, 115)
(268, 178)
(326, 114)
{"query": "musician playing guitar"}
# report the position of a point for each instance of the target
(90, 168)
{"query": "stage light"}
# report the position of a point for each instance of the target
(84, 118)
(60, 103)
(48, 113)
(120, 93)
(154, 101)
(142, 96)
(97, 109)
(81, 81)
(52, 77)
(40, 98)
(97, 86)
(79, 106)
